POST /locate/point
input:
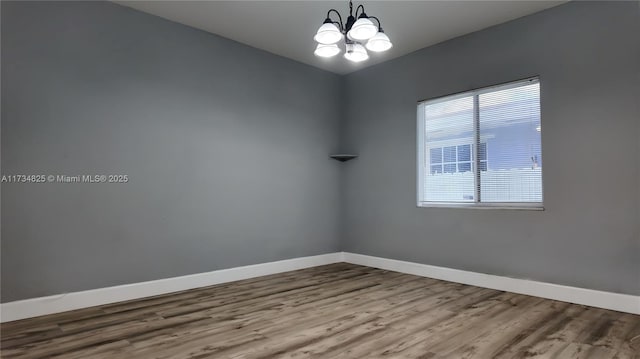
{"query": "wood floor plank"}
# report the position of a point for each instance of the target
(272, 323)
(427, 310)
(517, 347)
(631, 342)
(559, 337)
(243, 320)
(131, 310)
(385, 312)
(334, 311)
(492, 339)
(419, 339)
(583, 351)
(95, 351)
(210, 298)
(122, 317)
(612, 331)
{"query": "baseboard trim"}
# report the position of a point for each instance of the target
(34, 307)
(595, 298)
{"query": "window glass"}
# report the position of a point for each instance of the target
(447, 125)
(510, 117)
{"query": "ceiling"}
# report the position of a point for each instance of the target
(287, 28)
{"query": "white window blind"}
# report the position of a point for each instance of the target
(482, 147)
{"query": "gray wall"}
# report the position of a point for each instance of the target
(588, 57)
(225, 146)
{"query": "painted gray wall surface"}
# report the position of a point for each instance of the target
(225, 146)
(587, 55)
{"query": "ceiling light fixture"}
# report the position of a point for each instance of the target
(358, 32)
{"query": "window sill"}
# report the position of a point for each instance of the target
(508, 206)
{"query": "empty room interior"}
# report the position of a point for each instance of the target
(320, 179)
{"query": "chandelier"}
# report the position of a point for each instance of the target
(358, 33)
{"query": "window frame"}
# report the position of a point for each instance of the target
(421, 150)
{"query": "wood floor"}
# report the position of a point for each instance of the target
(335, 311)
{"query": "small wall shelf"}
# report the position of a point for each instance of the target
(343, 157)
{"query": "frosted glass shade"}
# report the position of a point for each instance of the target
(363, 29)
(379, 43)
(356, 53)
(328, 34)
(323, 50)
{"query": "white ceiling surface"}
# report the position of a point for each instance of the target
(287, 28)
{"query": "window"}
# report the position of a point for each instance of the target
(452, 159)
(481, 148)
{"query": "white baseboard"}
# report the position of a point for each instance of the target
(595, 298)
(34, 307)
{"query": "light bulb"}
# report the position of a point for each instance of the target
(328, 34)
(363, 29)
(356, 53)
(379, 43)
(323, 50)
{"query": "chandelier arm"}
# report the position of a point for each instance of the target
(358, 8)
(339, 17)
(379, 23)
